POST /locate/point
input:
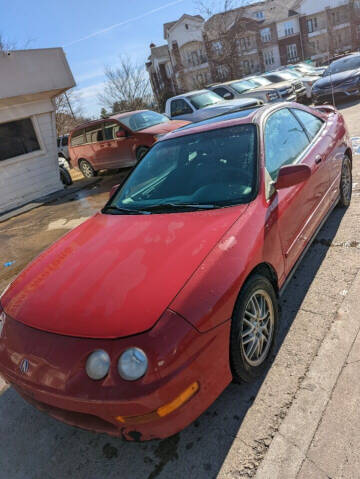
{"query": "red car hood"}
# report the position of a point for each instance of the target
(114, 276)
(164, 128)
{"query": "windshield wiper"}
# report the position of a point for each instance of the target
(113, 210)
(180, 206)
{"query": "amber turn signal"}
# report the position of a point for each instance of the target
(163, 410)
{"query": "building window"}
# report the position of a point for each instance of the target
(186, 26)
(260, 15)
(312, 24)
(292, 52)
(244, 44)
(17, 138)
(266, 35)
(217, 47)
(289, 28)
(222, 71)
(269, 57)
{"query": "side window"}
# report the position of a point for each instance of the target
(77, 138)
(180, 107)
(312, 124)
(65, 141)
(223, 91)
(285, 140)
(94, 133)
(110, 130)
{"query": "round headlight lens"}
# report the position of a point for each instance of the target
(133, 364)
(98, 365)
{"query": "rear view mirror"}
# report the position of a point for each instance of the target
(121, 134)
(292, 175)
(113, 191)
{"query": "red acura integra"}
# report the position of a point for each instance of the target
(175, 284)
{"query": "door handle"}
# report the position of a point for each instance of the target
(318, 159)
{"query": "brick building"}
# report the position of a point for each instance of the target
(256, 38)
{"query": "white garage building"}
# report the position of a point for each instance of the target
(29, 81)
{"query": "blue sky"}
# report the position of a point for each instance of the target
(47, 25)
(92, 33)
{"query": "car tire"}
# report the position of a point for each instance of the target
(65, 176)
(345, 183)
(253, 329)
(141, 152)
(86, 169)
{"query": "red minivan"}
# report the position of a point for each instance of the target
(117, 142)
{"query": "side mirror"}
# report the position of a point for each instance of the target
(113, 191)
(292, 175)
(227, 96)
(121, 134)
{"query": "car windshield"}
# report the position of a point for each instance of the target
(343, 65)
(261, 81)
(201, 100)
(205, 170)
(293, 73)
(144, 119)
(279, 77)
(243, 86)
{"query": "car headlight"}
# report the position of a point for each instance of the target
(132, 364)
(98, 365)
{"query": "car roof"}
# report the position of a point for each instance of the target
(189, 93)
(118, 116)
(228, 119)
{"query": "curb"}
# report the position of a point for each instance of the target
(287, 451)
(47, 199)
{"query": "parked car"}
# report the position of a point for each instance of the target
(341, 78)
(307, 81)
(279, 77)
(285, 89)
(135, 322)
(202, 104)
(119, 141)
(306, 69)
(62, 146)
(245, 89)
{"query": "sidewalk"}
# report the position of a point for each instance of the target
(320, 436)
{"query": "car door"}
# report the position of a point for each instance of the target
(286, 142)
(121, 150)
(181, 110)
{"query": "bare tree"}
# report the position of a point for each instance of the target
(229, 34)
(126, 85)
(68, 112)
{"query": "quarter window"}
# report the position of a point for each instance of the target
(312, 124)
(94, 133)
(77, 138)
(285, 140)
(17, 138)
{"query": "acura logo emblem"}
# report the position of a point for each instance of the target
(24, 366)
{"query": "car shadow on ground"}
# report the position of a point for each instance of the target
(34, 445)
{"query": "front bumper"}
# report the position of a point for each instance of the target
(325, 94)
(57, 384)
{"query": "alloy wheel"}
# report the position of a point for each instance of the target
(346, 182)
(257, 328)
